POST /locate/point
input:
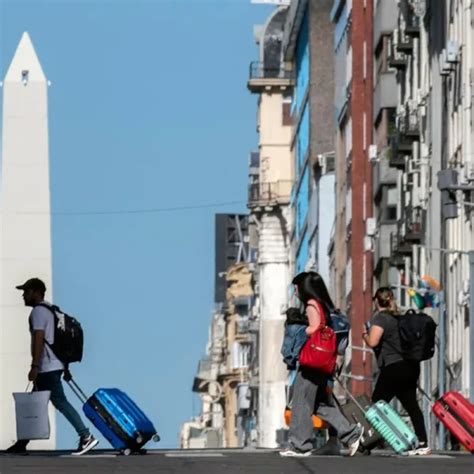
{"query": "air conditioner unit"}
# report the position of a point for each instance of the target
(370, 227)
(327, 162)
(373, 153)
(452, 52)
(368, 245)
(445, 67)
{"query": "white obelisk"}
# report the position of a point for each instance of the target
(25, 224)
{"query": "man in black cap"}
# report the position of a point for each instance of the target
(46, 369)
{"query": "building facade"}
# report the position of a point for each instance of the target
(227, 376)
(270, 186)
(306, 48)
(354, 102)
(426, 127)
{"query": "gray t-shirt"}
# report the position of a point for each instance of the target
(389, 349)
(42, 319)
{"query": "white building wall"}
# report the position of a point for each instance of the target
(25, 234)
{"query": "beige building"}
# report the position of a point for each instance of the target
(269, 198)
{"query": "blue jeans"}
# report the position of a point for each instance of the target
(52, 381)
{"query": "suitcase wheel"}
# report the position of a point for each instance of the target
(127, 452)
(156, 438)
(139, 439)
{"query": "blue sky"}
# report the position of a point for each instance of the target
(148, 109)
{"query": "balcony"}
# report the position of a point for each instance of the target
(412, 23)
(404, 43)
(383, 174)
(399, 149)
(269, 194)
(410, 231)
(203, 376)
(385, 94)
(396, 59)
(409, 122)
(383, 248)
(385, 21)
(264, 77)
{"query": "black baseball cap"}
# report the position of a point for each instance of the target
(33, 284)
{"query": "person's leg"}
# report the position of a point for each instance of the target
(301, 426)
(385, 386)
(408, 400)
(329, 412)
(52, 381)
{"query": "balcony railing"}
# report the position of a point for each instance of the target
(414, 224)
(268, 194)
(410, 231)
(404, 42)
(396, 59)
(412, 23)
(399, 149)
(259, 70)
(409, 122)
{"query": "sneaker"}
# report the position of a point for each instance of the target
(86, 443)
(18, 448)
(294, 453)
(354, 446)
(421, 451)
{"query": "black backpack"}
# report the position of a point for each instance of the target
(417, 335)
(68, 336)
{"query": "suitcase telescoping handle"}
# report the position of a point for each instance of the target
(77, 390)
(362, 409)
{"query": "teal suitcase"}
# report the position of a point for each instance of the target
(392, 428)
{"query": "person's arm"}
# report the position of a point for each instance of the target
(36, 352)
(373, 337)
(314, 318)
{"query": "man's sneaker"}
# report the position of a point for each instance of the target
(294, 453)
(354, 446)
(18, 448)
(86, 443)
(421, 451)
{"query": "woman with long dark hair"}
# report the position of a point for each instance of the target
(397, 377)
(310, 389)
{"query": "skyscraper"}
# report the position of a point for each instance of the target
(25, 224)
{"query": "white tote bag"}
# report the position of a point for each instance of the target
(32, 420)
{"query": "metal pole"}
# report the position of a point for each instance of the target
(471, 325)
(441, 362)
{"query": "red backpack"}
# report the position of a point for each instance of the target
(320, 350)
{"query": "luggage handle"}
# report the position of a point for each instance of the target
(346, 390)
(77, 390)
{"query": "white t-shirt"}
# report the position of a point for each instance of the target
(42, 319)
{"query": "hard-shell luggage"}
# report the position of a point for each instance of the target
(118, 418)
(388, 423)
(457, 415)
(393, 429)
(354, 414)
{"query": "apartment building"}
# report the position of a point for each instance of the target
(271, 180)
(354, 107)
(227, 376)
(423, 124)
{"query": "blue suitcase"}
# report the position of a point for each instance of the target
(118, 418)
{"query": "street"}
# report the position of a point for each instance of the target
(233, 461)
